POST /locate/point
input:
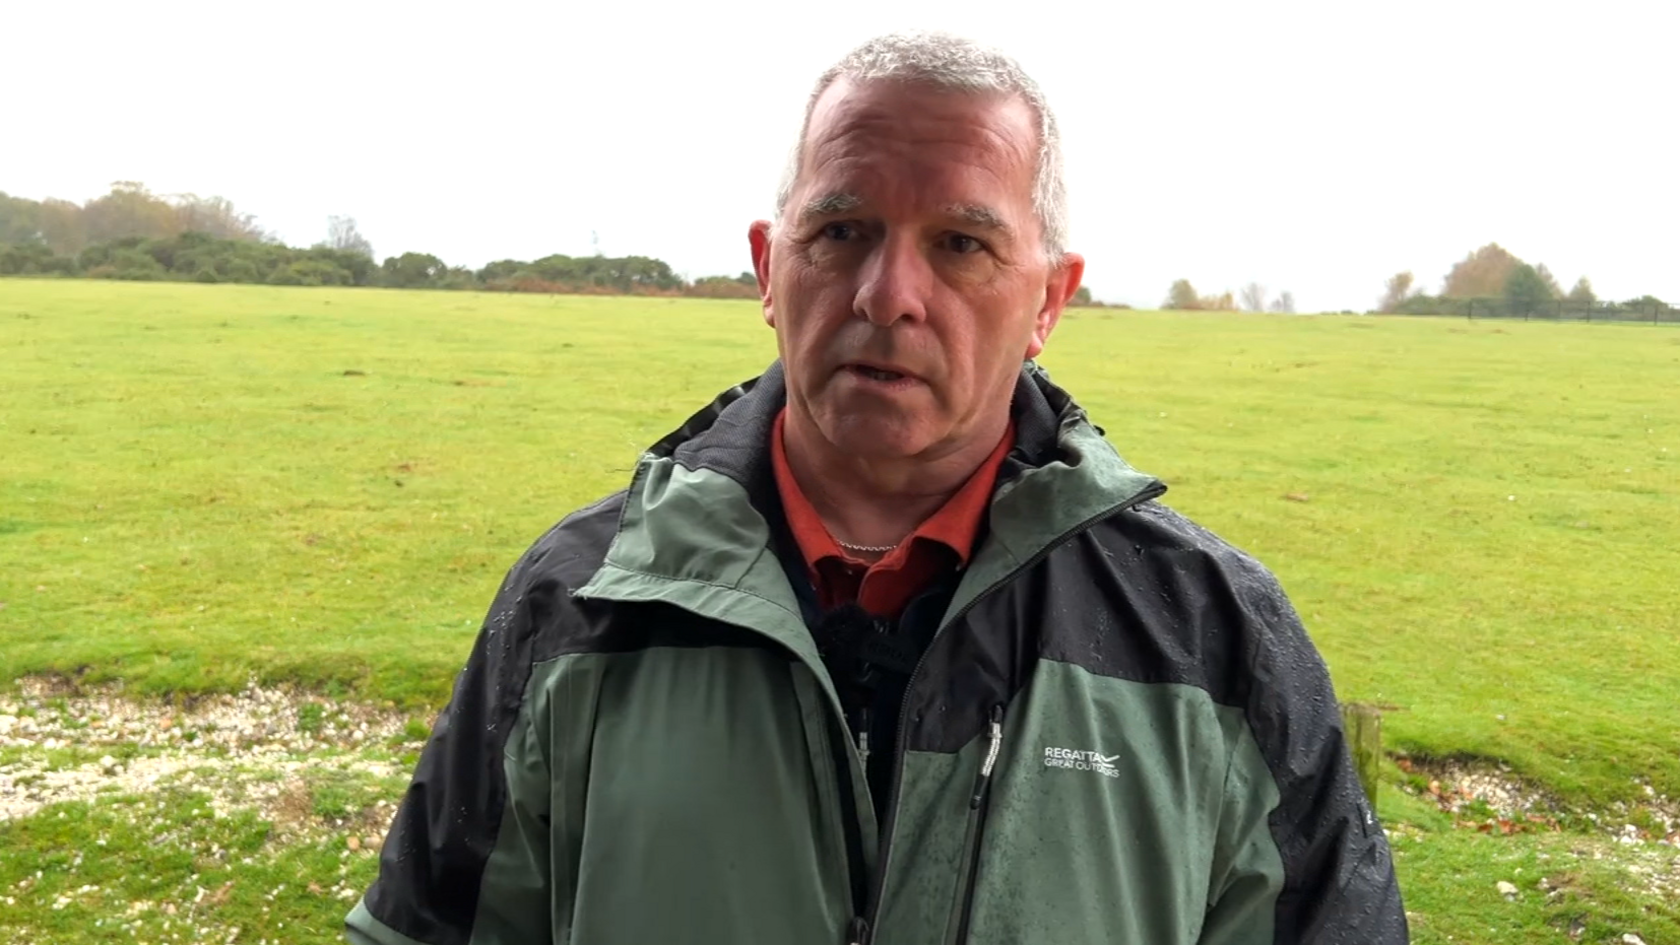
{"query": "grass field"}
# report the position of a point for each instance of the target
(201, 486)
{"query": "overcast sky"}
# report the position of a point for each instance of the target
(1315, 147)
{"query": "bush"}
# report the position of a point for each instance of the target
(234, 269)
(18, 259)
(286, 275)
(722, 287)
(104, 255)
(135, 265)
(456, 278)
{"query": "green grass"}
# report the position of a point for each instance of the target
(199, 484)
(165, 867)
(1564, 880)
(194, 488)
(1487, 542)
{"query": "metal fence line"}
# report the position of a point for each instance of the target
(1653, 311)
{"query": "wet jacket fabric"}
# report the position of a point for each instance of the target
(1119, 733)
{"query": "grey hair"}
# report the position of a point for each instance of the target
(952, 62)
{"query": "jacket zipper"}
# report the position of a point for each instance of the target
(861, 931)
(994, 745)
(979, 805)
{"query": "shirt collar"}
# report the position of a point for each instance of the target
(956, 525)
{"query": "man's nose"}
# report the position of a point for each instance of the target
(895, 281)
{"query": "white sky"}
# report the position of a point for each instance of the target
(1316, 147)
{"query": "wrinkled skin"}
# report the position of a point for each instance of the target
(908, 245)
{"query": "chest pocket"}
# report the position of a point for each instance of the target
(1100, 821)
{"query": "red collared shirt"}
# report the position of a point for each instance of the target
(940, 544)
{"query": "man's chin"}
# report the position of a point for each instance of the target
(874, 440)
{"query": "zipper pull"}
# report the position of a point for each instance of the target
(864, 724)
(858, 932)
(995, 744)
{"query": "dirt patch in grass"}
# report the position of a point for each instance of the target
(300, 761)
(1487, 795)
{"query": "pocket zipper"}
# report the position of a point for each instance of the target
(978, 804)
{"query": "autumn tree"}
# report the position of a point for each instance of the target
(1224, 302)
(1400, 287)
(1553, 290)
(1182, 296)
(215, 216)
(62, 226)
(1254, 297)
(1482, 274)
(1583, 292)
(1285, 303)
(129, 210)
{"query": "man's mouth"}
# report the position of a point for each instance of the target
(878, 374)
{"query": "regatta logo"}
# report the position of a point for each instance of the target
(1075, 760)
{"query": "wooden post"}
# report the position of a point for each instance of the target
(1363, 727)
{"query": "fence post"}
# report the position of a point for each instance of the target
(1470, 310)
(1362, 726)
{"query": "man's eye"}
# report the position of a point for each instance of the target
(839, 231)
(958, 243)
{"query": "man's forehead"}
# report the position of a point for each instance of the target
(887, 132)
(848, 99)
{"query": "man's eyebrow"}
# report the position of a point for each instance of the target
(830, 204)
(981, 216)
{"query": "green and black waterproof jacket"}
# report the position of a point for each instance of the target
(1119, 734)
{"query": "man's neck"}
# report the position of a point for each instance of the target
(871, 502)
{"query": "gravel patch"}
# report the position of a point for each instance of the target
(1464, 788)
(250, 749)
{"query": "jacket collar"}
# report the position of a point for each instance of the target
(731, 435)
(696, 528)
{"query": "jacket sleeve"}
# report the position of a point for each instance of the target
(466, 856)
(1303, 855)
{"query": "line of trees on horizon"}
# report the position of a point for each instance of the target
(1183, 297)
(1493, 275)
(134, 234)
(1490, 280)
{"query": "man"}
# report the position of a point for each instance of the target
(888, 645)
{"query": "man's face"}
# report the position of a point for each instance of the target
(907, 279)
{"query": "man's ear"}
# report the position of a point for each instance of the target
(758, 236)
(1059, 288)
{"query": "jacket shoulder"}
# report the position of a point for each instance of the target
(536, 595)
(1176, 603)
(572, 549)
(1162, 530)
(1165, 540)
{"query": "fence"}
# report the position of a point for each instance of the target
(1643, 310)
